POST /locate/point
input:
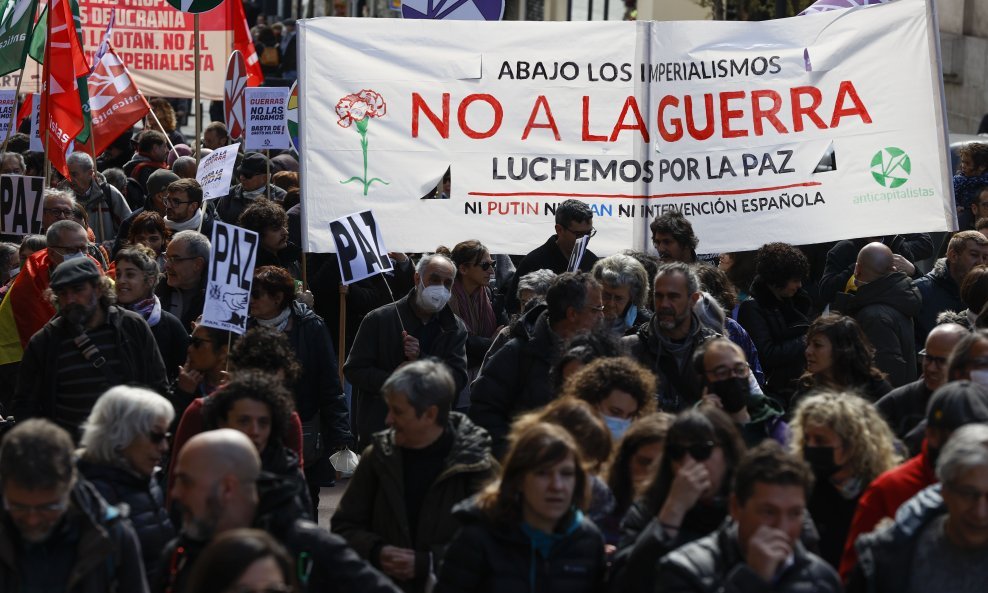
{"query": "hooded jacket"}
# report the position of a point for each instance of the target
(715, 563)
(372, 512)
(488, 557)
(675, 392)
(939, 293)
(378, 349)
(516, 378)
(106, 556)
(885, 309)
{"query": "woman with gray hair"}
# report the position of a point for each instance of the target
(123, 443)
(624, 290)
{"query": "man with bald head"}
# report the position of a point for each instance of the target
(218, 486)
(884, 302)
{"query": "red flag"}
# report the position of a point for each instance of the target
(115, 102)
(25, 111)
(243, 42)
(61, 104)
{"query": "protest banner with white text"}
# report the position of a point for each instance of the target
(230, 276)
(360, 247)
(21, 202)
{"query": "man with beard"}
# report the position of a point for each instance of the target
(667, 343)
(90, 346)
(219, 486)
(56, 532)
(941, 287)
(673, 238)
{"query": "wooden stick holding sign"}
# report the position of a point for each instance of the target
(230, 277)
(21, 203)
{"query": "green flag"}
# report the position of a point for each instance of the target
(36, 49)
(16, 18)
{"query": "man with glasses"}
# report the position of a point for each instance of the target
(12, 163)
(183, 294)
(57, 533)
(104, 203)
(253, 177)
(57, 205)
(666, 344)
(905, 407)
(574, 220)
(729, 385)
(90, 346)
(516, 378)
(940, 537)
(954, 405)
(182, 200)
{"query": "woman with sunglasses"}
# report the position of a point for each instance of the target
(848, 444)
(687, 499)
(124, 441)
(136, 277)
(526, 532)
(839, 357)
(472, 302)
(243, 561)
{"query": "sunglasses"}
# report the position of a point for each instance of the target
(699, 451)
(487, 265)
(157, 437)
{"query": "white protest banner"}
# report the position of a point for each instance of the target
(216, 171)
(727, 122)
(8, 105)
(267, 121)
(231, 274)
(360, 246)
(36, 144)
(21, 201)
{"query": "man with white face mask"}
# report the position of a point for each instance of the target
(417, 326)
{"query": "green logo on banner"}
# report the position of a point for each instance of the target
(195, 6)
(891, 167)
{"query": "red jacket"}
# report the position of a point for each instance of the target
(882, 499)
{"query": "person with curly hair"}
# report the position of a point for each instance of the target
(673, 238)
(269, 220)
(149, 229)
(840, 357)
(777, 315)
(620, 389)
(848, 444)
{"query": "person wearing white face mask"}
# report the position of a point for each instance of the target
(418, 325)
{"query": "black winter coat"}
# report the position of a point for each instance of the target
(844, 255)
(940, 293)
(715, 564)
(885, 309)
(485, 557)
(547, 256)
(905, 407)
(778, 328)
(173, 342)
(146, 504)
(516, 378)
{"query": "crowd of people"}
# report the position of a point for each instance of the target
(794, 418)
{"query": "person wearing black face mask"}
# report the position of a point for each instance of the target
(730, 386)
(847, 444)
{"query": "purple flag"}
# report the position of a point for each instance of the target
(828, 5)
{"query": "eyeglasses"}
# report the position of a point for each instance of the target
(938, 361)
(196, 341)
(59, 212)
(66, 249)
(157, 437)
(581, 234)
(173, 202)
(487, 265)
(739, 370)
(42, 509)
(699, 451)
(173, 259)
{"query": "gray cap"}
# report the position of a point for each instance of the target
(159, 180)
(74, 271)
(957, 403)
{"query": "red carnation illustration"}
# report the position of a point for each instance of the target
(359, 108)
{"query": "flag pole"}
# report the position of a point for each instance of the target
(13, 115)
(342, 344)
(195, 49)
(46, 90)
(162, 128)
(99, 205)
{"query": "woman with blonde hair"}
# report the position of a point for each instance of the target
(848, 444)
(526, 532)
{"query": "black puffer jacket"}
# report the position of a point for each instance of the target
(940, 293)
(885, 309)
(715, 564)
(778, 328)
(146, 504)
(516, 378)
(489, 558)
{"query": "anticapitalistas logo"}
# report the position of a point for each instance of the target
(891, 167)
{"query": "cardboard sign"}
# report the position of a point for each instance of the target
(8, 107)
(36, 144)
(216, 171)
(730, 123)
(21, 203)
(231, 274)
(360, 247)
(267, 123)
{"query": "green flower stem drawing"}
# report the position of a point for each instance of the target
(362, 129)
